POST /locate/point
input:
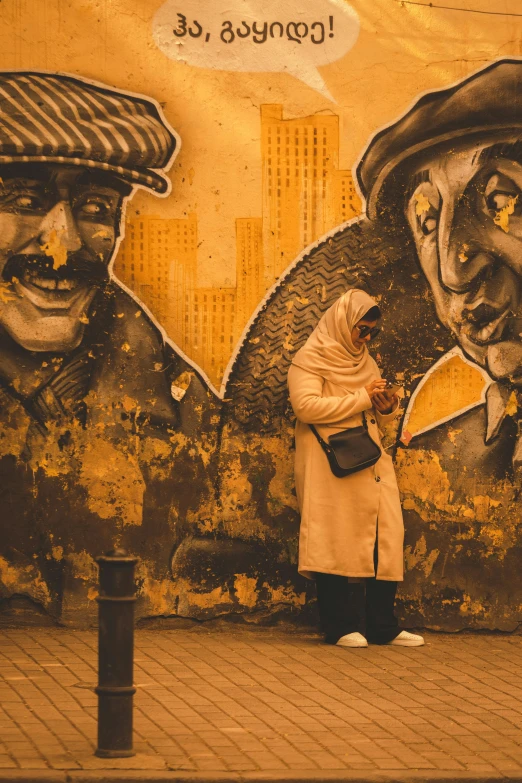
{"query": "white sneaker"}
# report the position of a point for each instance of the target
(355, 639)
(406, 639)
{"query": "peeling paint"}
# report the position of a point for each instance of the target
(502, 217)
(24, 580)
(422, 204)
(245, 590)
(512, 405)
(6, 293)
(285, 595)
(83, 566)
(453, 434)
(468, 606)
(425, 487)
(189, 599)
(419, 557)
(115, 491)
(423, 483)
(55, 247)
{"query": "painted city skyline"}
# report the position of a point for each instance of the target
(303, 195)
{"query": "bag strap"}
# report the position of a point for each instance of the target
(324, 445)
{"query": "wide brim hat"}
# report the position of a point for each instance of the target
(484, 108)
(54, 118)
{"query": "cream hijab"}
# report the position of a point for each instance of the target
(330, 352)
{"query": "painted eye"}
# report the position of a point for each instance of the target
(95, 208)
(500, 200)
(26, 201)
(426, 204)
(428, 225)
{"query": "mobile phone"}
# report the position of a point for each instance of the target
(392, 389)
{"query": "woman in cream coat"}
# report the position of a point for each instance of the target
(351, 535)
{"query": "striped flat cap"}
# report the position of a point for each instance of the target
(49, 118)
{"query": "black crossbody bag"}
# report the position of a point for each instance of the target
(350, 450)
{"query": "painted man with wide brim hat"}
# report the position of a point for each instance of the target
(106, 430)
(440, 245)
(453, 164)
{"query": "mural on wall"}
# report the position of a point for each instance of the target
(102, 421)
(144, 341)
(439, 247)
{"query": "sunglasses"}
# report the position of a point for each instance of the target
(364, 331)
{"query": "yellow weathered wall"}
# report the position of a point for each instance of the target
(244, 204)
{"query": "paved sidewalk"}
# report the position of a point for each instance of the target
(237, 704)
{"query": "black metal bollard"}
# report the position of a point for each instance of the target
(115, 654)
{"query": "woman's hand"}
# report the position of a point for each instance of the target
(384, 403)
(375, 387)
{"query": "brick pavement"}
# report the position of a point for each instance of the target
(235, 703)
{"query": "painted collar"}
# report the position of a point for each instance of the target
(499, 399)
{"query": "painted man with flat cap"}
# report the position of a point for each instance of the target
(442, 227)
(102, 422)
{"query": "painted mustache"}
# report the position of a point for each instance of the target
(487, 323)
(482, 314)
(39, 270)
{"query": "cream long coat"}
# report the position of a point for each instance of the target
(340, 516)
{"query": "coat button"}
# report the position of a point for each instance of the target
(372, 421)
(377, 478)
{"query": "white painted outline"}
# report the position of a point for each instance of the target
(125, 201)
(411, 106)
(456, 351)
(264, 301)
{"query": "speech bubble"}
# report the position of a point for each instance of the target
(258, 35)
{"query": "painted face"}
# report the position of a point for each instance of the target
(466, 216)
(58, 227)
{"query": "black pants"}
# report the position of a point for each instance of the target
(345, 607)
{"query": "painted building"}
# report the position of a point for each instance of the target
(250, 268)
(158, 261)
